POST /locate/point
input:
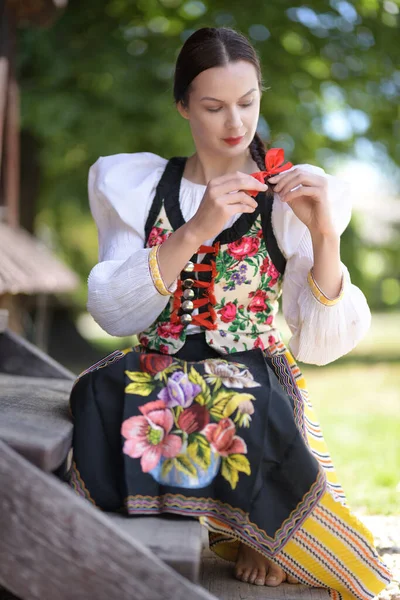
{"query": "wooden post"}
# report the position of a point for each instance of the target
(3, 75)
(12, 152)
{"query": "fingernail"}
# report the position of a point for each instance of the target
(264, 185)
(272, 578)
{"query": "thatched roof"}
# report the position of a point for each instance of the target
(36, 12)
(28, 267)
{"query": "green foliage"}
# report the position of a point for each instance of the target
(99, 82)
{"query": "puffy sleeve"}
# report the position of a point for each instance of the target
(122, 297)
(321, 331)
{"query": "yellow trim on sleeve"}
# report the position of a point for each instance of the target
(155, 272)
(318, 293)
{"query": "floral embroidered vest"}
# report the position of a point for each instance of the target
(232, 293)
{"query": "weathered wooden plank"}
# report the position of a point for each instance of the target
(175, 541)
(20, 357)
(54, 544)
(217, 577)
(34, 418)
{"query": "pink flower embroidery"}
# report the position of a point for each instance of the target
(259, 344)
(148, 436)
(157, 236)
(228, 312)
(273, 273)
(243, 248)
(169, 330)
(223, 439)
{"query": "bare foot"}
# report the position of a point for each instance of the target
(253, 567)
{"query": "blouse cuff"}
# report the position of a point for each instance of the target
(156, 274)
(319, 294)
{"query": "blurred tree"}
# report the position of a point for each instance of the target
(100, 82)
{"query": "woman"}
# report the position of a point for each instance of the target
(209, 416)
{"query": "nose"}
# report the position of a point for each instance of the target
(234, 120)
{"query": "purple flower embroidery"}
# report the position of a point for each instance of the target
(179, 391)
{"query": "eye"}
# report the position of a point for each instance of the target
(214, 109)
(248, 104)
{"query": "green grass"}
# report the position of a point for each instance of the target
(359, 411)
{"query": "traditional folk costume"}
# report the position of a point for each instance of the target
(209, 415)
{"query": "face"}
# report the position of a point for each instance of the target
(224, 104)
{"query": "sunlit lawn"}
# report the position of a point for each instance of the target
(358, 403)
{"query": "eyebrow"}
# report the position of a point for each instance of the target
(216, 99)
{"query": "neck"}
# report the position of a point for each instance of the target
(201, 167)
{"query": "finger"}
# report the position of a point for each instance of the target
(311, 192)
(237, 181)
(295, 178)
(238, 197)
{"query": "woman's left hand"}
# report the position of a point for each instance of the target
(309, 202)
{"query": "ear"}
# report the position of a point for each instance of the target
(183, 110)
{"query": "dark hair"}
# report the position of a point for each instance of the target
(215, 47)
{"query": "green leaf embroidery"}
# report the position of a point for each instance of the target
(184, 465)
(219, 403)
(229, 473)
(239, 462)
(205, 396)
(142, 383)
(200, 453)
(167, 466)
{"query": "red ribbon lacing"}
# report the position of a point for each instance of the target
(205, 319)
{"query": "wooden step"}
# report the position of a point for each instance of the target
(217, 577)
(176, 541)
(35, 419)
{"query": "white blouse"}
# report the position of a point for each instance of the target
(121, 295)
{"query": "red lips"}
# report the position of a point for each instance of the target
(232, 141)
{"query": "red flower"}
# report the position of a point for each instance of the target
(194, 418)
(144, 341)
(156, 237)
(164, 349)
(273, 273)
(260, 233)
(269, 320)
(259, 344)
(228, 312)
(257, 304)
(265, 265)
(154, 363)
(273, 158)
(244, 247)
(222, 438)
(169, 330)
(271, 340)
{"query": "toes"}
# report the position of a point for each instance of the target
(275, 576)
(260, 579)
(239, 572)
(291, 579)
(253, 575)
(246, 574)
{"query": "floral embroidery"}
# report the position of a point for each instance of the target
(246, 290)
(189, 434)
(158, 235)
(179, 391)
(149, 436)
(222, 372)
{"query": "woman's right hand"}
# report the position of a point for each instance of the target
(224, 197)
